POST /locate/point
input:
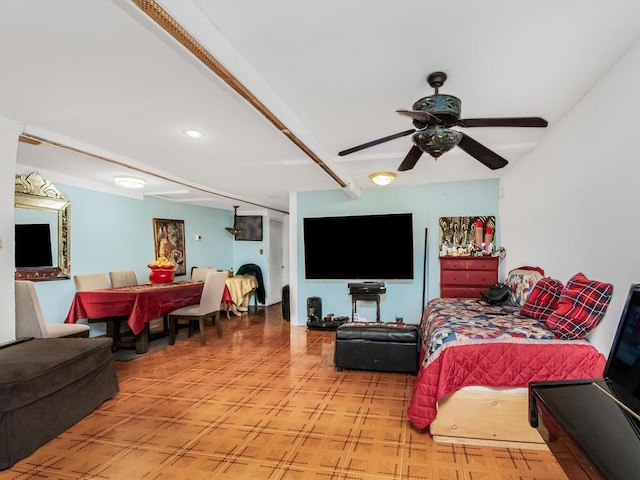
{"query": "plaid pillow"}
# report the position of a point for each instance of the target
(583, 303)
(543, 299)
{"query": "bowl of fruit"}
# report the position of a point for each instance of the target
(162, 271)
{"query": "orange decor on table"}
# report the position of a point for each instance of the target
(162, 271)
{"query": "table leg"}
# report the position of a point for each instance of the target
(142, 340)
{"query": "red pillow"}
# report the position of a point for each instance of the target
(543, 299)
(583, 303)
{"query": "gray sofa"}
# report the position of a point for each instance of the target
(46, 386)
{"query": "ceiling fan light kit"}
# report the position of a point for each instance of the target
(234, 230)
(433, 116)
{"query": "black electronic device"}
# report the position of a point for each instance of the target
(364, 288)
(33, 245)
(314, 308)
(346, 248)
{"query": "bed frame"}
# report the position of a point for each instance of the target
(490, 416)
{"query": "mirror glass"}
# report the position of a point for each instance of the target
(42, 230)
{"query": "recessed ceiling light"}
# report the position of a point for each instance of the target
(129, 182)
(193, 133)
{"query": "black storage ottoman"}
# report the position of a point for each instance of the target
(380, 347)
(46, 386)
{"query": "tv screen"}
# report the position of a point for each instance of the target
(33, 245)
(368, 247)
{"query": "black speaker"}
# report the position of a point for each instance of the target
(286, 304)
(314, 308)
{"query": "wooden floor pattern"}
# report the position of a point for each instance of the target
(263, 402)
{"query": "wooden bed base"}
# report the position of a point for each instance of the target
(492, 417)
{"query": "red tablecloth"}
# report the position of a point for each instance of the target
(142, 303)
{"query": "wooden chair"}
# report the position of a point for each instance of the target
(209, 306)
(30, 319)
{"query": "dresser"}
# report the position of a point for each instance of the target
(466, 277)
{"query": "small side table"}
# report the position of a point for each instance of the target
(369, 297)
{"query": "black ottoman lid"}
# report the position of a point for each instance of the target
(41, 366)
(378, 332)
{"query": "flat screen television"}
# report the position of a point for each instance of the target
(33, 245)
(367, 247)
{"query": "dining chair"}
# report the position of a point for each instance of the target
(209, 306)
(198, 274)
(123, 278)
(97, 281)
(30, 320)
(259, 295)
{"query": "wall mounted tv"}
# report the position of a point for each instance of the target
(367, 247)
(33, 245)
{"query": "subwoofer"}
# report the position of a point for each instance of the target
(314, 308)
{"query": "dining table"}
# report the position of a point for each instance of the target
(240, 289)
(139, 304)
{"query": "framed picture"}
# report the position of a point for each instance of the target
(250, 227)
(168, 241)
(461, 231)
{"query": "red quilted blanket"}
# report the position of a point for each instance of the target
(467, 343)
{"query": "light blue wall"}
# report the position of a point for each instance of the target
(110, 232)
(427, 203)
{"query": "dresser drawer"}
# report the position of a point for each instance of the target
(461, 292)
(477, 278)
(469, 263)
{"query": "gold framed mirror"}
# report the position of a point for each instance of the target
(41, 200)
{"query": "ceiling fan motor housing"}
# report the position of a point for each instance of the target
(436, 140)
(446, 107)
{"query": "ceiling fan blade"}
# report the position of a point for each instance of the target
(376, 142)
(481, 153)
(419, 115)
(503, 122)
(411, 159)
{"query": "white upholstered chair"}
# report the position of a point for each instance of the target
(90, 281)
(123, 278)
(198, 274)
(209, 306)
(30, 319)
(97, 281)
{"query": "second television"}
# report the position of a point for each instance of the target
(366, 247)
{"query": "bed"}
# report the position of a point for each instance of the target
(497, 352)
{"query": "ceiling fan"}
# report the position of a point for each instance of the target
(433, 117)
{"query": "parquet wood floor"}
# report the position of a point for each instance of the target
(263, 402)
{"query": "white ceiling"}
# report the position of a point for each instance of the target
(102, 78)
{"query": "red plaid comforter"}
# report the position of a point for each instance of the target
(494, 346)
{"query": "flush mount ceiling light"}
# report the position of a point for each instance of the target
(382, 178)
(129, 182)
(193, 133)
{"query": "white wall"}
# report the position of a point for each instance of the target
(9, 133)
(573, 205)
